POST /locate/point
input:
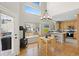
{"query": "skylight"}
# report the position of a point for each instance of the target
(31, 10)
(36, 3)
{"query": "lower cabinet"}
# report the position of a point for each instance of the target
(59, 37)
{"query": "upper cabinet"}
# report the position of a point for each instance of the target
(6, 23)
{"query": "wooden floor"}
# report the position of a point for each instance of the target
(59, 50)
(31, 50)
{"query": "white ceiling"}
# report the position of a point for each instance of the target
(62, 10)
(69, 15)
(12, 6)
(55, 8)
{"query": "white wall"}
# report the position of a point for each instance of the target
(26, 17)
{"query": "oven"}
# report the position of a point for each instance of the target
(6, 43)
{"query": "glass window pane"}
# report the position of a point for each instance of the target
(28, 9)
(36, 3)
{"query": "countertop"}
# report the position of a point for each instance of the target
(32, 36)
(46, 39)
(59, 32)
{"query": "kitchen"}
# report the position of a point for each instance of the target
(64, 33)
(42, 31)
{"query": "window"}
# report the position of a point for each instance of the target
(31, 10)
(36, 3)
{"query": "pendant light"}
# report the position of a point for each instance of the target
(45, 16)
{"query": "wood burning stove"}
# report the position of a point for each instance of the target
(23, 40)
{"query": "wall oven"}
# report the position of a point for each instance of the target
(6, 44)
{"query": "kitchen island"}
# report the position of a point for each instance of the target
(43, 45)
(32, 38)
(60, 36)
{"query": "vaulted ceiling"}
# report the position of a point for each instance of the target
(61, 11)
